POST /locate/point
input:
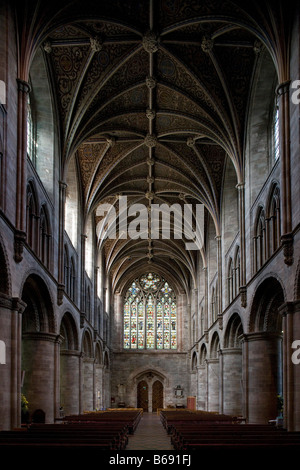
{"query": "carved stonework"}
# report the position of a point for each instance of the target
(243, 293)
(207, 44)
(60, 293)
(287, 242)
(150, 140)
(20, 239)
(150, 42)
(150, 82)
(150, 113)
(96, 44)
(220, 321)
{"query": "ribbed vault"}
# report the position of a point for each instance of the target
(152, 99)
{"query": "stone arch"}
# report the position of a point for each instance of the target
(42, 154)
(268, 297)
(233, 332)
(72, 202)
(202, 354)
(260, 122)
(194, 361)
(214, 345)
(38, 315)
(69, 365)
(39, 345)
(232, 366)
(69, 333)
(87, 344)
(264, 351)
(98, 353)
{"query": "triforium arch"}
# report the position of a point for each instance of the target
(262, 347)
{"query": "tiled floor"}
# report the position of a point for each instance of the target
(150, 435)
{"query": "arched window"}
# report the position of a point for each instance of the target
(150, 314)
(230, 281)
(237, 273)
(45, 236)
(214, 303)
(260, 239)
(31, 140)
(66, 268)
(274, 220)
(31, 217)
(72, 279)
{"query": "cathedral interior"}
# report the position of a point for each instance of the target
(149, 207)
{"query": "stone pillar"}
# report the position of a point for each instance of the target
(41, 375)
(285, 160)
(10, 366)
(70, 381)
(99, 386)
(213, 385)
(231, 380)
(291, 365)
(88, 384)
(62, 201)
(20, 233)
(241, 199)
(201, 387)
(262, 375)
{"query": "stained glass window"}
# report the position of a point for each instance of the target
(150, 316)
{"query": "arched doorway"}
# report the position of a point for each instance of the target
(142, 395)
(157, 395)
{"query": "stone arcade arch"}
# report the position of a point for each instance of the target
(231, 357)
(262, 348)
(87, 371)
(213, 371)
(69, 366)
(40, 347)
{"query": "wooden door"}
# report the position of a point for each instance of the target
(157, 395)
(142, 395)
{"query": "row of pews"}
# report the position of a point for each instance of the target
(192, 431)
(108, 430)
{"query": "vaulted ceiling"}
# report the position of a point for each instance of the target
(152, 99)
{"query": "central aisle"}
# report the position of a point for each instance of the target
(150, 435)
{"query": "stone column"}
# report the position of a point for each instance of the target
(62, 201)
(10, 366)
(20, 233)
(285, 160)
(202, 387)
(262, 375)
(88, 384)
(40, 367)
(241, 199)
(213, 384)
(291, 365)
(232, 375)
(99, 386)
(70, 381)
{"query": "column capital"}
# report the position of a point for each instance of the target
(23, 86)
(289, 308)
